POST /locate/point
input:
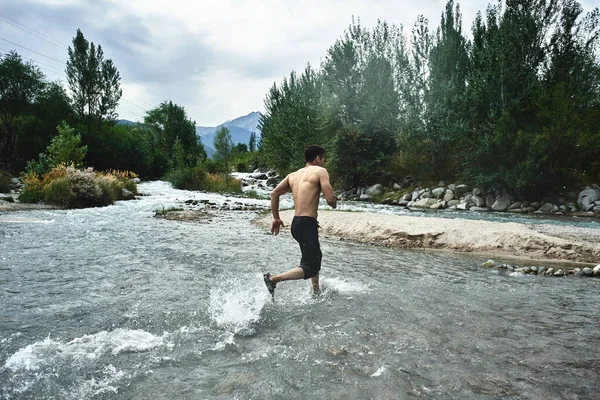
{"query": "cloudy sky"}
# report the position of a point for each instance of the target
(216, 58)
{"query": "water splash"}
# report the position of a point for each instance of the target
(235, 304)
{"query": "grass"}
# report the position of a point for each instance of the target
(165, 211)
(253, 194)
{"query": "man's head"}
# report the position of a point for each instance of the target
(314, 154)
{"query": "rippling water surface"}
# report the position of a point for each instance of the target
(112, 303)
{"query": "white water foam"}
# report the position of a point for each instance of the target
(46, 359)
(236, 306)
(338, 285)
(88, 347)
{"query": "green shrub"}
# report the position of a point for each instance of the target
(187, 178)
(222, 184)
(58, 193)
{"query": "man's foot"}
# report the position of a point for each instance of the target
(270, 285)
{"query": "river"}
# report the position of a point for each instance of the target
(112, 303)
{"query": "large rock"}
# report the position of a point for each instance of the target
(415, 195)
(438, 193)
(453, 203)
(426, 194)
(127, 195)
(395, 186)
(449, 195)
(596, 270)
(478, 200)
(375, 190)
(407, 197)
(480, 209)
(501, 204)
(259, 176)
(515, 206)
(365, 197)
(462, 206)
(425, 203)
(489, 200)
(588, 196)
(547, 207)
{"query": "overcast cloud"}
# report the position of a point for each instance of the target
(215, 58)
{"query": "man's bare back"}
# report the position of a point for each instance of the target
(306, 185)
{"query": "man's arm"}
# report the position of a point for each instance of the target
(327, 189)
(282, 188)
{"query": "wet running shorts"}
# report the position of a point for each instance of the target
(304, 230)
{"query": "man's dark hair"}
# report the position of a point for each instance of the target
(312, 152)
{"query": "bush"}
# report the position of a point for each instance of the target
(58, 192)
(222, 184)
(197, 179)
(68, 187)
(187, 178)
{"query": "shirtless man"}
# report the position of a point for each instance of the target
(306, 185)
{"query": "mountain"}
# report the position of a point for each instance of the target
(240, 129)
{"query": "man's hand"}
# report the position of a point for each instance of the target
(275, 225)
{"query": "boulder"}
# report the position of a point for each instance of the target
(480, 209)
(437, 206)
(546, 208)
(375, 190)
(588, 196)
(452, 186)
(365, 197)
(438, 193)
(415, 195)
(449, 195)
(273, 181)
(478, 200)
(127, 195)
(425, 203)
(395, 186)
(453, 203)
(407, 197)
(462, 206)
(426, 194)
(501, 204)
(587, 271)
(596, 270)
(515, 206)
(489, 264)
(403, 203)
(490, 199)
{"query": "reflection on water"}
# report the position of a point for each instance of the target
(113, 303)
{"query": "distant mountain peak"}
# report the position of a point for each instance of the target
(240, 129)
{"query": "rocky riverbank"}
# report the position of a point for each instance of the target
(461, 197)
(503, 240)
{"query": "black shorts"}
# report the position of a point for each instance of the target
(304, 230)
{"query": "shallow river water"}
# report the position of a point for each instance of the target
(112, 303)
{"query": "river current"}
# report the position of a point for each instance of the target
(113, 303)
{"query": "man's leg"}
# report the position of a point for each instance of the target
(315, 284)
(291, 275)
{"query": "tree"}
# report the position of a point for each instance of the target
(252, 142)
(66, 147)
(223, 146)
(20, 84)
(170, 123)
(94, 83)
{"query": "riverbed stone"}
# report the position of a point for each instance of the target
(407, 197)
(546, 208)
(426, 194)
(365, 197)
(550, 271)
(489, 264)
(425, 203)
(375, 190)
(403, 203)
(596, 270)
(437, 205)
(478, 200)
(479, 209)
(415, 195)
(560, 272)
(489, 200)
(395, 186)
(588, 196)
(541, 270)
(452, 203)
(501, 204)
(462, 206)
(438, 193)
(587, 271)
(449, 195)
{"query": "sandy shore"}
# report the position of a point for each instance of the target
(502, 240)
